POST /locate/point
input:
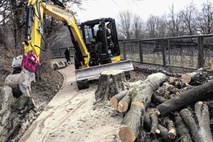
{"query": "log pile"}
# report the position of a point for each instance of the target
(164, 108)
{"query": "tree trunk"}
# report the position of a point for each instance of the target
(12, 111)
(194, 78)
(163, 130)
(154, 119)
(171, 128)
(115, 99)
(186, 98)
(200, 125)
(132, 120)
(182, 131)
(124, 103)
(110, 83)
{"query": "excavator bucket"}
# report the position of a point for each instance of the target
(94, 72)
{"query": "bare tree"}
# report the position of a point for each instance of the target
(189, 19)
(124, 24)
(151, 26)
(137, 26)
(174, 23)
(205, 18)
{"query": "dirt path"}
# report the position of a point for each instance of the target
(70, 117)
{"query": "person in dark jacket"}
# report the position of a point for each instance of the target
(67, 55)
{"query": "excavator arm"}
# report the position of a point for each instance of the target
(34, 28)
(25, 65)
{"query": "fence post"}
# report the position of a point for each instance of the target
(168, 46)
(141, 52)
(201, 60)
(163, 53)
(124, 46)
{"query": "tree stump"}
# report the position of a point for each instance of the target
(110, 83)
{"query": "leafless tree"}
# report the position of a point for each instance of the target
(124, 25)
(174, 23)
(137, 26)
(151, 26)
(205, 18)
(189, 19)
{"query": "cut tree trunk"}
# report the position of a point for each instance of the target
(188, 77)
(200, 125)
(154, 119)
(110, 83)
(158, 99)
(132, 121)
(124, 103)
(171, 128)
(185, 98)
(163, 130)
(194, 78)
(115, 99)
(12, 111)
(182, 131)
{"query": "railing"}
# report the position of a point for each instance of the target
(185, 52)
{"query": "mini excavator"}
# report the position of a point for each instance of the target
(91, 58)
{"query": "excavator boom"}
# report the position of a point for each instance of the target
(25, 65)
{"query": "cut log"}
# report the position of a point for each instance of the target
(132, 121)
(182, 131)
(187, 97)
(158, 99)
(195, 78)
(154, 119)
(110, 83)
(200, 125)
(124, 103)
(163, 130)
(115, 99)
(187, 77)
(171, 128)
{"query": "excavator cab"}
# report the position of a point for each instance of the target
(100, 37)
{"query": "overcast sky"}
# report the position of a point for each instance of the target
(92, 9)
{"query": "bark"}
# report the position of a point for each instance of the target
(176, 82)
(200, 125)
(124, 103)
(187, 97)
(12, 111)
(132, 121)
(158, 99)
(171, 128)
(182, 131)
(154, 119)
(115, 99)
(163, 130)
(110, 83)
(194, 78)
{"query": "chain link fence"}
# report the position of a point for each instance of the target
(184, 52)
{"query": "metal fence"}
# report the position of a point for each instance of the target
(185, 52)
